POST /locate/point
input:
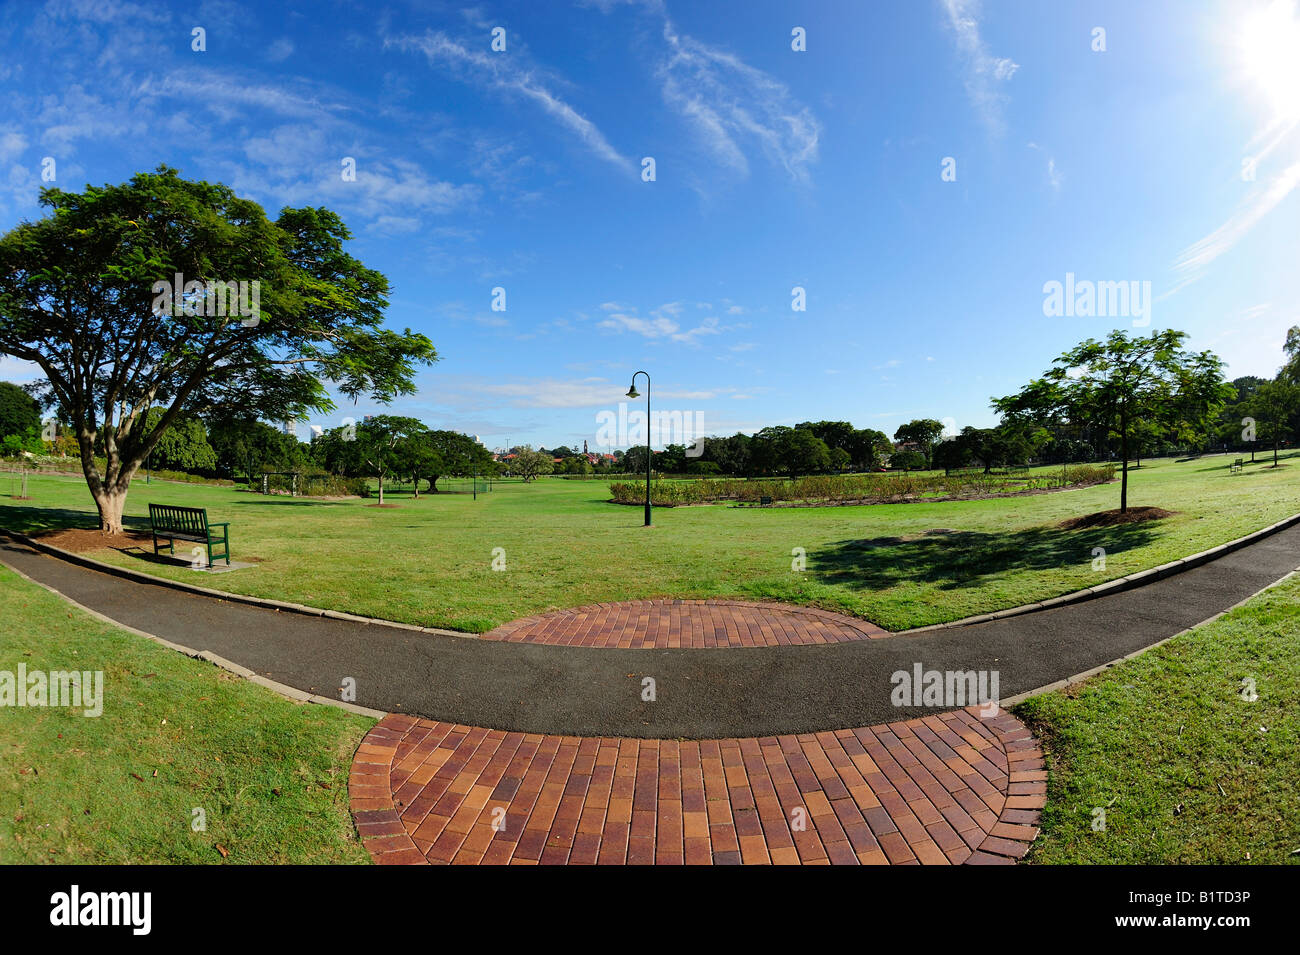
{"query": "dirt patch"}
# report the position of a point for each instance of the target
(82, 541)
(383, 505)
(1116, 517)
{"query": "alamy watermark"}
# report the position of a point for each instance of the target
(949, 689)
(78, 689)
(1083, 298)
(213, 299)
(624, 428)
(125, 909)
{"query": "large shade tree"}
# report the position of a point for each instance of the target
(922, 432)
(79, 297)
(450, 454)
(1120, 382)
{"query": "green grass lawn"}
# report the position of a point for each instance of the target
(1190, 772)
(428, 561)
(175, 735)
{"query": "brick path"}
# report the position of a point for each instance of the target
(946, 789)
(660, 624)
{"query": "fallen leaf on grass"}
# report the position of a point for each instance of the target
(222, 850)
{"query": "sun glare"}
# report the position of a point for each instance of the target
(1270, 50)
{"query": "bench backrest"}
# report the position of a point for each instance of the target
(187, 520)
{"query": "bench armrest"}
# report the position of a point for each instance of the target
(218, 523)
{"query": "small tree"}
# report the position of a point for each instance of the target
(183, 447)
(1275, 402)
(530, 464)
(1119, 382)
(382, 446)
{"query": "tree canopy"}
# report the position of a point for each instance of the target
(175, 293)
(1121, 382)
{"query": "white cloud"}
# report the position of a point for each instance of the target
(661, 324)
(280, 50)
(984, 71)
(500, 72)
(1194, 259)
(11, 144)
(18, 371)
(729, 102)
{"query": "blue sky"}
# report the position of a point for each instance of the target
(775, 168)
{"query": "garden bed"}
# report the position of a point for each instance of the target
(856, 489)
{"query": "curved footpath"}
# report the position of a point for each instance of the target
(580, 767)
(700, 693)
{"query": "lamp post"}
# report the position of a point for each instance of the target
(632, 393)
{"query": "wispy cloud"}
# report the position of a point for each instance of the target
(985, 73)
(661, 324)
(730, 105)
(1054, 177)
(551, 392)
(501, 72)
(280, 50)
(1197, 256)
(729, 102)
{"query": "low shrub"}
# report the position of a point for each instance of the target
(856, 488)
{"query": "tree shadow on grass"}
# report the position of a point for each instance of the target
(954, 560)
(36, 520)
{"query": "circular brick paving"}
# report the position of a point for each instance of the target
(951, 788)
(692, 624)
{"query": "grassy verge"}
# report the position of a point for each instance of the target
(175, 735)
(1186, 769)
(430, 561)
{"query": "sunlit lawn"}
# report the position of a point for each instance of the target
(1189, 763)
(429, 561)
(269, 777)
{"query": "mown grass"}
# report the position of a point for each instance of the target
(175, 735)
(429, 561)
(1186, 769)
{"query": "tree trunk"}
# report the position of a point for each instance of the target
(110, 502)
(415, 483)
(381, 489)
(1123, 451)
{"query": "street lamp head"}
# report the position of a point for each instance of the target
(632, 392)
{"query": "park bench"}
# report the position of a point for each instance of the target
(1235, 467)
(188, 524)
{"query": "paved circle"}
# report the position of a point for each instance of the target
(689, 624)
(957, 787)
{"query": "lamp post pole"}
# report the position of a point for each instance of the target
(631, 393)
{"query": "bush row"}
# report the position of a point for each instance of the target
(855, 488)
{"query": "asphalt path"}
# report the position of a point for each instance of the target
(699, 693)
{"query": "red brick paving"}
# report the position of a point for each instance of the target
(945, 789)
(693, 624)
